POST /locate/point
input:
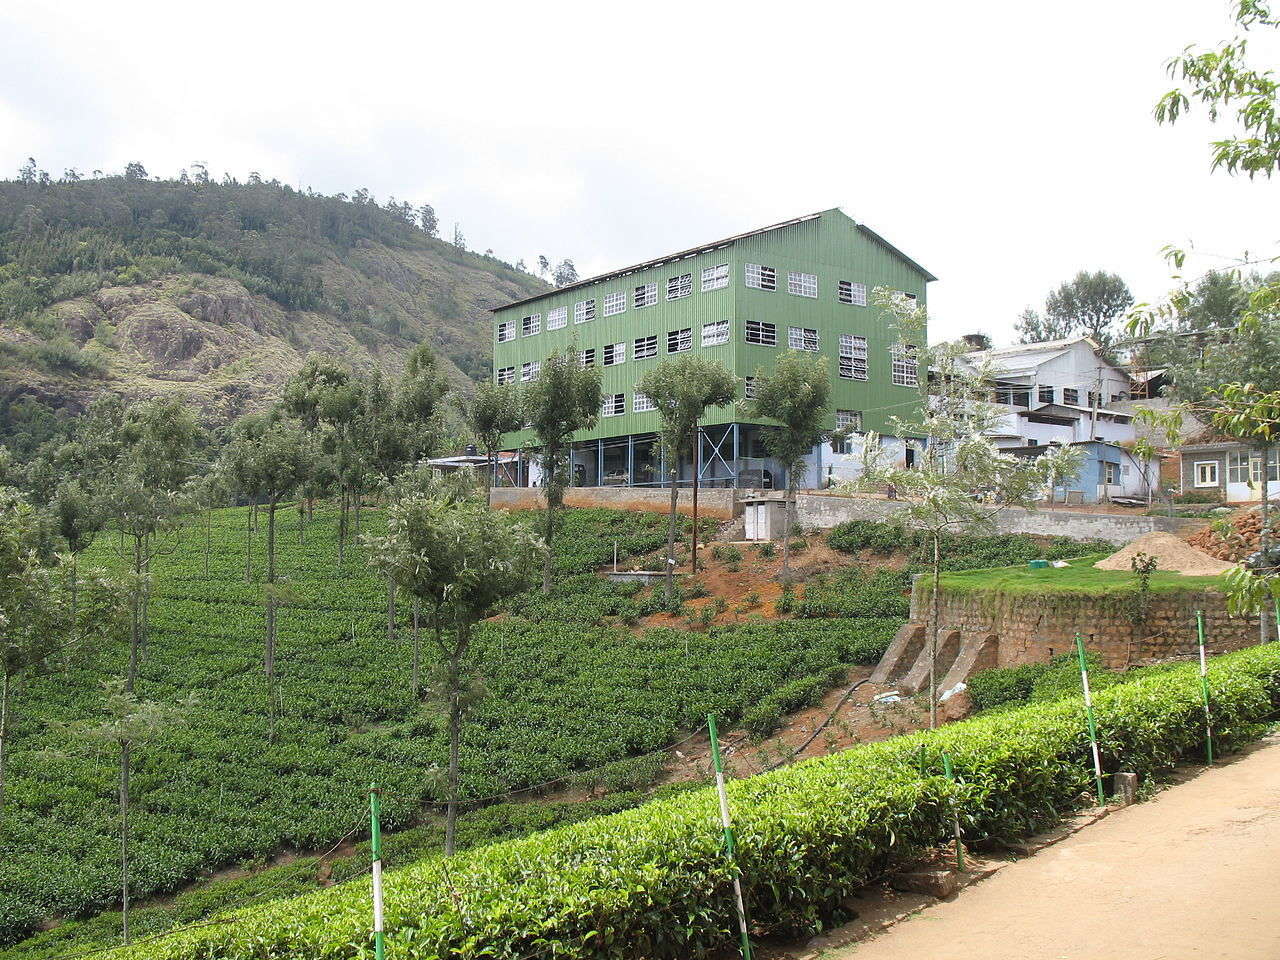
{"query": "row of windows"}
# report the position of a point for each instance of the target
(1021, 396)
(757, 276)
(853, 350)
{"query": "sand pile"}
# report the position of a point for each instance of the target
(1172, 555)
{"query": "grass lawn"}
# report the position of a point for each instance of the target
(1079, 578)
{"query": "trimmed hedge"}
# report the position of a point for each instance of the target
(654, 882)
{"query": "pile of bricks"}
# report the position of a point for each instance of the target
(1242, 535)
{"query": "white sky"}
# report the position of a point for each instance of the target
(1003, 145)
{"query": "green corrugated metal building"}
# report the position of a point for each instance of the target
(802, 284)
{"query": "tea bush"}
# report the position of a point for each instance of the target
(959, 551)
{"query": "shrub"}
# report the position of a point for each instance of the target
(851, 593)
(765, 548)
(726, 553)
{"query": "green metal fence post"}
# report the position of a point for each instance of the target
(1093, 727)
(375, 844)
(728, 836)
(1204, 688)
(955, 811)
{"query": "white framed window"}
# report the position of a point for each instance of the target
(506, 375)
(614, 405)
(848, 291)
(680, 286)
(506, 331)
(757, 331)
(1255, 468)
(645, 347)
(614, 303)
(847, 421)
(1206, 473)
(642, 404)
(584, 311)
(531, 325)
(529, 371)
(1238, 469)
(761, 277)
(587, 357)
(613, 354)
(749, 388)
(802, 284)
(646, 295)
(905, 366)
(853, 357)
(715, 278)
(802, 338)
(557, 317)
(716, 333)
(679, 340)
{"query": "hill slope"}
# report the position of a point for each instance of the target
(216, 293)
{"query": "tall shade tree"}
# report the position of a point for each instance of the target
(420, 402)
(126, 724)
(1034, 327)
(78, 515)
(796, 399)
(564, 399)
(1090, 304)
(491, 414)
(682, 388)
(462, 559)
(960, 481)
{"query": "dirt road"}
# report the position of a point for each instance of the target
(1194, 872)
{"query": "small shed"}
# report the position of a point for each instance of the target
(763, 517)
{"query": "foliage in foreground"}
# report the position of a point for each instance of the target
(959, 551)
(655, 882)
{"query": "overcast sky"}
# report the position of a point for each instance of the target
(1003, 145)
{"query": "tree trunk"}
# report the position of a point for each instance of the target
(124, 839)
(208, 537)
(548, 488)
(786, 528)
(342, 525)
(417, 648)
(936, 605)
(248, 544)
(671, 527)
(1263, 539)
(269, 661)
(488, 477)
(75, 562)
(455, 734)
(135, 623)
(697, 455)
(4, 731)
(391, 611)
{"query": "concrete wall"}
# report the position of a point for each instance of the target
(824, 512)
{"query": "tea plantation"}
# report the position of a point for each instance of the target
(568, 690)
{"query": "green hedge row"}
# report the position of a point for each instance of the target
(654, 881)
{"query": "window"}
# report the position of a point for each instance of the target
(853, 357)
(531, 325)
(1255, 468)
(588, 357)
(715, 333)
(584, 311)
(1119, 397)
(557, 318)
(506, 375)
(529, 371)
(847, 421)
(614, 405)
(1045, 394)
(614, 303)
(680, 286)
(904, 366)
(614, 354)
(1238, 470)
(678, 340)
(645, 347)
(1206, 473)
(762, 278)
(802, 284)
(763, 333)
(802, 338)
(646, 295)
(642, 404)
(1012, 396)
(749, 388)
(1110, 473)
(1070, 396)
(714, 278)
(506, 331)
(849, 292)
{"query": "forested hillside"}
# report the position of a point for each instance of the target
(216, 292)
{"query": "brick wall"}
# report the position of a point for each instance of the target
(714, 502)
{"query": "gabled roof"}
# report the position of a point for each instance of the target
(716, 245)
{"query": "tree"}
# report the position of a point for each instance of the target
(128, 723)
(135, 171)
(681, 388)
(420, 402)
(544, 265)
(1089, 303)
(565, 273)
(491, 414)
(960, 481)
(796, 397)
(459, 240)
(462, 559)
(564, 399)
(1034, 328)
(430, 223)
(79, 518)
